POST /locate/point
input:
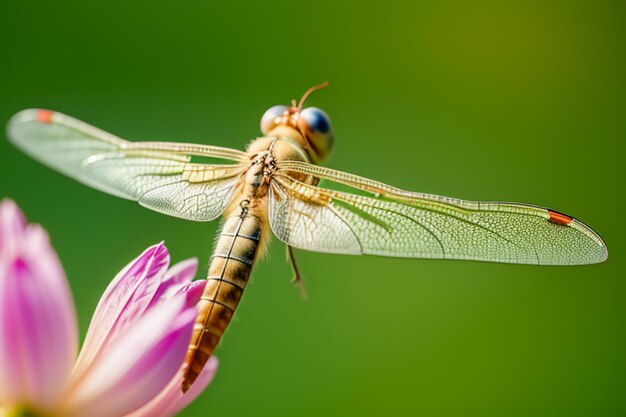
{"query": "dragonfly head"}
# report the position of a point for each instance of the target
(309, 126)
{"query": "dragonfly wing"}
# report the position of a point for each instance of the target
(308, 225)
(198, 192)
(159, 175)
(393, 222)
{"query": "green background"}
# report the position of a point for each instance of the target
(515, 101)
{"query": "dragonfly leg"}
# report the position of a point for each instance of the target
(297, 278)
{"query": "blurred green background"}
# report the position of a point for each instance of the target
(516, 101)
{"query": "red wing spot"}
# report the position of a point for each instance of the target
(44, 116)
(558, 218)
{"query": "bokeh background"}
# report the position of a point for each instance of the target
(517, 101)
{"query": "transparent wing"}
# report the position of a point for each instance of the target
(159, 175)
(393, 222)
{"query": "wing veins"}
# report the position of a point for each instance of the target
(409, 218)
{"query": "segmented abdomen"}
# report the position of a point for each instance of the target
(229, 271)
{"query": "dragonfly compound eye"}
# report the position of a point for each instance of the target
(314, 124)
(270, 118)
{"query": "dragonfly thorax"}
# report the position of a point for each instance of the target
(267, 151)
(282, 147)
(261, 170)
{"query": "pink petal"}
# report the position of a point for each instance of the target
(193, 291)
(12, 226)
(138, 366)
(172, 400)
(182, 272)
(124, 301)
(37, 319)
(178, 275)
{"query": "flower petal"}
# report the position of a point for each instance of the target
(126, 298)
(203, 380)
(178, 275)
(171, 400)
(12, 225)
(193, 291)
(138, 365)
(37, 321)
(182, 272)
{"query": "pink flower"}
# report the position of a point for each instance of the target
(131, 361)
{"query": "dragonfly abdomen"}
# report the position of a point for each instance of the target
(229, 271)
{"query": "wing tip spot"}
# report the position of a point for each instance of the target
(559, 218)
(44, 116)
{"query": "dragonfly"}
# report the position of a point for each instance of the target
(273, 188)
